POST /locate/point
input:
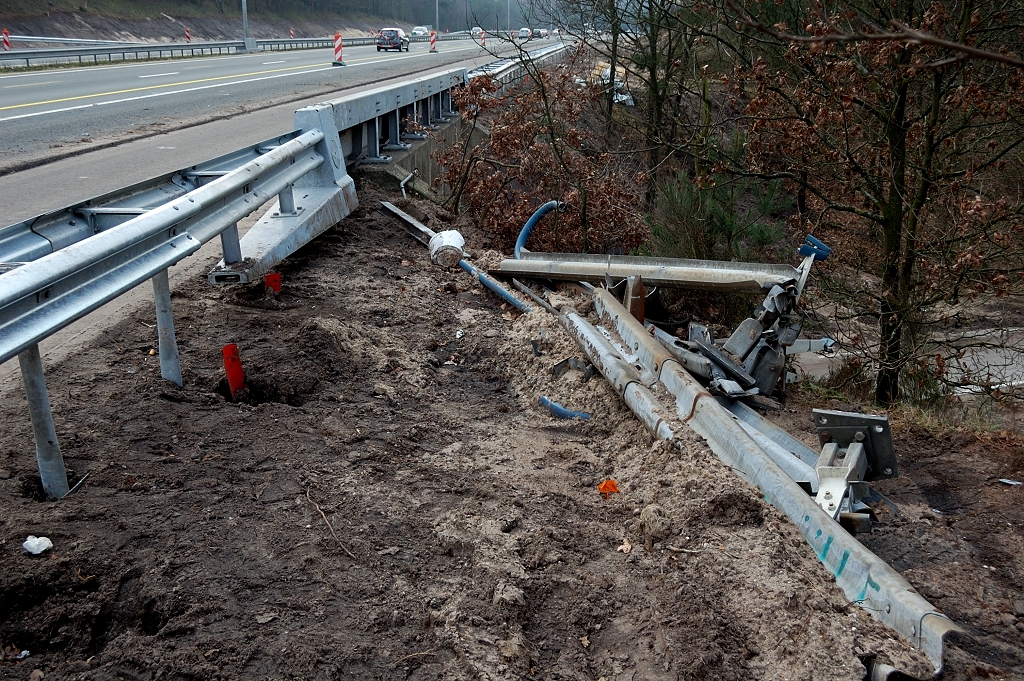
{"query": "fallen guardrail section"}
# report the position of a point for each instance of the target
(642, 362)
(707, 382)
(58, 267)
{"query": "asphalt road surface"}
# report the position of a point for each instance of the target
(52, 114)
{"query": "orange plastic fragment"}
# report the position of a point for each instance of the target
(608, 487)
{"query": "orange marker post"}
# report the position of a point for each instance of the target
(433, 41)
(233, 369)
(273, 282)
(338, 61)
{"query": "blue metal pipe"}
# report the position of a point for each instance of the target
(531, 223)
(493, 284)
(561, 412)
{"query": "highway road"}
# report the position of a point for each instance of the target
(61, 112)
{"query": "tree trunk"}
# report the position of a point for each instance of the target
(894, 298)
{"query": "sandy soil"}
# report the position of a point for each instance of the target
(388, 500)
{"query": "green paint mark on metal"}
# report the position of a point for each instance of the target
(842, 564)
(826, 547)
(864, 592)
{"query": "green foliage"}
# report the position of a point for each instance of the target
(725, 219)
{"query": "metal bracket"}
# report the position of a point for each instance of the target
(837, 469)
(844, 428)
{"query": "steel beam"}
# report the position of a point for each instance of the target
(48, 456)
(705, 275)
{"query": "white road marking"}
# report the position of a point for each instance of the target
(274, 62)
(49, 82)
(159, 75)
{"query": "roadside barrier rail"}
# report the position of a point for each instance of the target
(512, 70)
(60, 266)
(141, 51)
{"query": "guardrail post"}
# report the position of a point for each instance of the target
(48, 456)
(356, 136)
(229, 244)
(411, 112)
(170, 364)
(286, 202)
(373, 154)
(394, 143)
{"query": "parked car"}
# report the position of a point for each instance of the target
(525, 34)
(419, 30)
(392, 39)
(476, 31)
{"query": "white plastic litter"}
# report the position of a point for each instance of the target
(36, 545)
(446, 248)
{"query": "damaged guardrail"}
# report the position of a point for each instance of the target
(821, 494)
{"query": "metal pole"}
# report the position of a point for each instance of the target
(245, 22)
(48, 456)
(230, 245)
(285, 201)
(170, 365)
(437, 20)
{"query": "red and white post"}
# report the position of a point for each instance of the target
(483, 38)
(7, 40)
(291, 32)
(433, 41)
(188, 35)
(338, 61)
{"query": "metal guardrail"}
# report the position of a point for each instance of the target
(865, 578)
(142, 51)
(58, 267)
(511, 70)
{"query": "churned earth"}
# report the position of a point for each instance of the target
(388, 500)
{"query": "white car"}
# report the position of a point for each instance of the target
(476, 31)
(419, 30)
(542, 33)
(525, 34)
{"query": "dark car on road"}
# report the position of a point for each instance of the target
(392, 39)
